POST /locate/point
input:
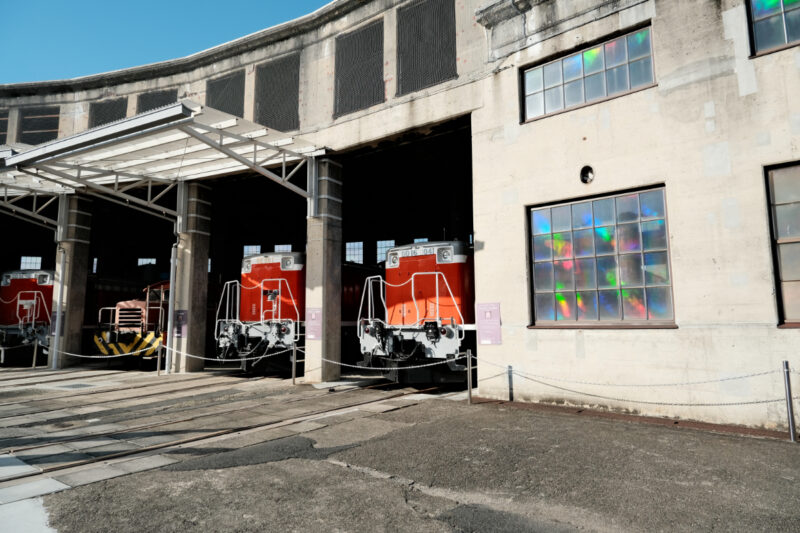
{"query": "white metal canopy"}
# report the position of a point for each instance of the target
(181, 142)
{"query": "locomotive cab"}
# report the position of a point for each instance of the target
(421, 313)
(135, 327)
(26, 297)
(264, 310)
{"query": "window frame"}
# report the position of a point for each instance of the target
(583, 47)
(774, 244)
(352, 250)
(598, 324)
(751, 31)
(25, 262)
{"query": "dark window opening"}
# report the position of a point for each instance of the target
(277, 93)
(38, 124)
(156, 99)
(227, 93)
(359, 69)
(107, 111)
(426, 44)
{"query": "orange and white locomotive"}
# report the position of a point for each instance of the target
(264, 310)
(26, 297)
(421, 313)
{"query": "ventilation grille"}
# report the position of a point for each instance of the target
(3, 126)
(156, 99)
(130, 317)
(227, 93)
(277, 90)
(359, 69)
(426, 44)
(38, 124)
(108, 111)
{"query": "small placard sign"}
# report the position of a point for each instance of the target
(181, 322)
(488, 322)
(313, 323)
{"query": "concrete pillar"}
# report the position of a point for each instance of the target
(12, 133)
(72, 236)
(324, 276)
(191, 277)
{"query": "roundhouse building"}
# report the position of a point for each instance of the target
(628, 173)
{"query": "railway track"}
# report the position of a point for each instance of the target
(205, 437)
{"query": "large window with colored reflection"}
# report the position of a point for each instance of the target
(784, 195)
(616, 67)
(775, 23)
(602, 261)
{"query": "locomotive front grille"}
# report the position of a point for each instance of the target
(130, 318)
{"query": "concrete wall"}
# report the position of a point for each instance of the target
(715, 119)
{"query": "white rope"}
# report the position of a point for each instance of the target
(105, 356)
(397, 368)
(676, 384)
(192, 356)
(7, 348)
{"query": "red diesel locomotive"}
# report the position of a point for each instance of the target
(421, 313)
(264, 310)
(26, 297)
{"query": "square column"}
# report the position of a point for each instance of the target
(324, 276)
(191, 278)
(72, 236)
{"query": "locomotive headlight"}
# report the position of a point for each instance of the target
(42, 279)
(246, 267)
(393, 261)
(286, 263)
(6, 280)
(444, 255)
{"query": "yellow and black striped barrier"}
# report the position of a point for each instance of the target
(144, 345)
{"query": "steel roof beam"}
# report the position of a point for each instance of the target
(27, 215)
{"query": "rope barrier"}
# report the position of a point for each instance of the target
(104, 356)
(643, 385)
(398, 368)
(8, 348)
(192, 356)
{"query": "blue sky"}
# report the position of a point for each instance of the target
(58, 39)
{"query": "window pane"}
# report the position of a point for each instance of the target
(616, 52)
(607, 272)
(786, 184)
(603, 212)
(608, 304)
(545, 309)
(583, 242)
(628, 208)
(651, 204)
(762, 8)
(562, 218)
(562, 245)
(791, 4)
(553, 100)
(582, 215)
(659, 303)
(595, 86)
(788, 220)
(593, 60)
(565, 306)
(633, 304)
(617, 80)
(656, 271)
(628, 238)
(641, 72)
(791, 301)
(793, 25)
(563, 275)
(789, 261)
(630, 270)
(552, 74)
(543, 277)
(654, 235)
(639, 44)
(587, 305)
(573, 93)
(572, 67)
(534, 106)
(533, 80)
(769, 32)
(585, 274)
(604, 240)
(541, 221)
(542, 248)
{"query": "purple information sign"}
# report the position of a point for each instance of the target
(488, 321)
(313, 323)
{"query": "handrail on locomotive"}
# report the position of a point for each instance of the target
(231, 296)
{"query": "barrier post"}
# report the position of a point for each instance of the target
(469, 377)
(158, 362)
(510, 383)
(2, 355)
(294, 362)
(789, 407)
(35, 352)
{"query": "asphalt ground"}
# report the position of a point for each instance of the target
(384, 460)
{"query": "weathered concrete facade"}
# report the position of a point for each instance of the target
(714, 118)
